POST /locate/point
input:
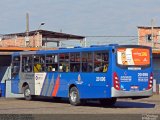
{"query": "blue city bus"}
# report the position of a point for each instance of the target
(104, 73)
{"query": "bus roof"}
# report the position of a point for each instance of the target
(77, 49)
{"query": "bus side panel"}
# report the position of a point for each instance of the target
(86, 84)
(48, 84)
(90, 85)
(63, 79)
(27, 79)
(95, 85)
(55, 84)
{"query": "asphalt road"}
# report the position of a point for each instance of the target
(49, 106)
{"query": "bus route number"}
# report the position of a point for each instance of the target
(100, 79)
(142, 74)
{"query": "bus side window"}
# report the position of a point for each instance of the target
(15, 65)
(49, 68)
(27, 63)
(84, 67)
(64, 67)
(105, 67)
(51, 62)
(15, 69)
(101, 61)
(90, 67)
(76, 68)
(39, 63)
(60, 68)
(87, 61)
(37, 67)
(75, 62)
(64, 62)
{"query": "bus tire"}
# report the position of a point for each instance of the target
(27, 93)
(108, 102)
(74, 98)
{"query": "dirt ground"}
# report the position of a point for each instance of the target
(49, 106)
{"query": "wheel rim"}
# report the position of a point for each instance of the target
(27, 92)
(73, 96)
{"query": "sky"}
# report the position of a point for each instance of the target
(81, 17)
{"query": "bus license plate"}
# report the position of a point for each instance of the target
(134, 87)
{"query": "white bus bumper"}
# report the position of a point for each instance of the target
(120, 93)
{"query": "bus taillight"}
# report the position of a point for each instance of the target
(150, 82)
(116, 81)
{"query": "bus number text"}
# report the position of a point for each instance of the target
(100, 79)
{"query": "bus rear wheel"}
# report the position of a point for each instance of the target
(74, 96)
(108, 102)
(27, 93)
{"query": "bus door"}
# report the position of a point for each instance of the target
(15, 67)
(133, 69)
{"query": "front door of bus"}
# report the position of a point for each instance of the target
(15, 68)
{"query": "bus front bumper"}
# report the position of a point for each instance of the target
(130, 94)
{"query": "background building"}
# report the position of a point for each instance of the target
(38, 39)
(33, 40)
(150, 36)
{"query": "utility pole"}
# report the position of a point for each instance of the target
(27, 24)
(27, 30)
(152, 32)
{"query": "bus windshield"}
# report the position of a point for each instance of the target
(133, 56)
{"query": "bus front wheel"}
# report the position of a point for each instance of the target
(27, 93)
(74, 96)
(108, 102)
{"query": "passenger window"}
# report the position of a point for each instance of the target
(64, 62)
(27, 63)
(39, 63)
(52, 63)
(75, 62)
(87, 62)
(101, 61)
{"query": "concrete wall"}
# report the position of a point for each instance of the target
(144, 31)
(34, 41)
